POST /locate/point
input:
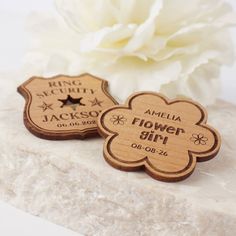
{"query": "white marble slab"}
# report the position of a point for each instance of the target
(69, 182)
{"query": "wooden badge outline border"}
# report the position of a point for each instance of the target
(58, 135)
(144, 164)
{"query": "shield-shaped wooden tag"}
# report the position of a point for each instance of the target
(64, 107)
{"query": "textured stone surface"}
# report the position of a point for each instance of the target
(69, 183)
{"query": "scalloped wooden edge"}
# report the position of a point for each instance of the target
(143, 165)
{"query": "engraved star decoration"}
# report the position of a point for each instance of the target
(96, 102)
(72, 102)
(46, 106)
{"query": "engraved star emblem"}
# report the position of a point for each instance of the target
(96, 102)
(71, 102)
(46, 106)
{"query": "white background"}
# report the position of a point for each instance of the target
(13, 14)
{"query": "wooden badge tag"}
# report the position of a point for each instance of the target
(164, 137)
(64, 107)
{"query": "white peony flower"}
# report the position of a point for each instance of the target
(172, 46)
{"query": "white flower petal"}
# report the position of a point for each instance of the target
(201, 85)
(146, 30)
(176, 47)
(114, 35)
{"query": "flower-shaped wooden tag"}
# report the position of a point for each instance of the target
(64, 107)
(164, 137)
